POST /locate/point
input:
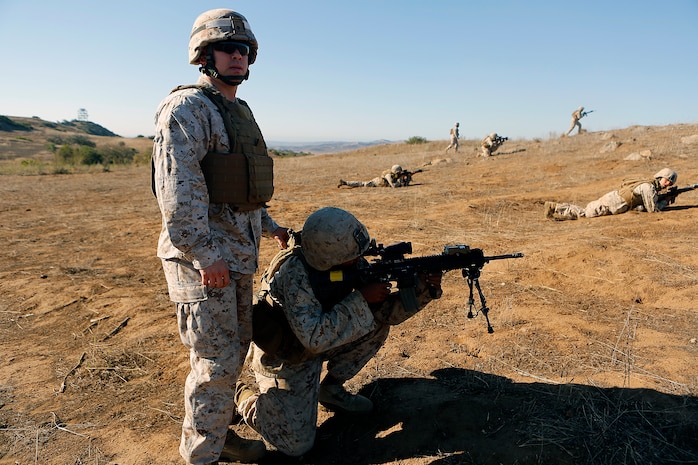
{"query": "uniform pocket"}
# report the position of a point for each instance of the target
(183, 282)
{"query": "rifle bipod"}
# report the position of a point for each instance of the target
(473, 277)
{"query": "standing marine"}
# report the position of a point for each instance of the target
(454, 135)
(577, 114)
(213, 216)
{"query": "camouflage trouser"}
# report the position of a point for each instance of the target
(375, 182)
(610, 204)
(217, 332)
(454, 144)
(575, 123)
(285, 411)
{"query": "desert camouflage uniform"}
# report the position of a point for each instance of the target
(347, 336)
(576, 116)
(489, 145)
(454, 135)
(633, 194)
(214, 324)
(387, 179)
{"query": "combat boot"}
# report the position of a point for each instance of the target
(335, 398)
(342, 182)
(550, 210)
(237, 449)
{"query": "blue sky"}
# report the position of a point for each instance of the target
(363, 70)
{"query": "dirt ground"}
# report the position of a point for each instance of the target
(593, 359)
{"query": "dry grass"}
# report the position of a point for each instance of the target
(591, 359)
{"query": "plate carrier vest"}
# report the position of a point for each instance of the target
(627, 194)
(243, 178)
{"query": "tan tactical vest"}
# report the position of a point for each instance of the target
(393, 176)
(627, 194)
(243, 178)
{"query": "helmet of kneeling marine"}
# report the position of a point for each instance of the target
(332, 236)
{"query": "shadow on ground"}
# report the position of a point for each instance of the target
(468, 417)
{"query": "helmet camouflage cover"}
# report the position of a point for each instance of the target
(667, 173)
(219, 25)
(332, 236)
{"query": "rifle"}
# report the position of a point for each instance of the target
(406, 176)
(674, 191)
(584, 113)
(500, 140)
(392, 266)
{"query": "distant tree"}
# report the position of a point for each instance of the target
(89, 155)
(287, 153)
(416, 140)
(79, 139)
(118, 154)
(65, 155)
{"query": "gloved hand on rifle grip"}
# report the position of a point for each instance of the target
(433, 282)
(375, 292)
(671, 194)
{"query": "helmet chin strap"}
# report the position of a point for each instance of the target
(209, 69)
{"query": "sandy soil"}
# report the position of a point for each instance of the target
(593, 359)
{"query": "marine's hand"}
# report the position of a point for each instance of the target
(281, 236)
(433, 280)
(216, 275)
(375, 292)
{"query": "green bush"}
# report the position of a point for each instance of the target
(287, 153)
(142, 158)
(79, 139)
(66, 155)
(91, 157)
(117, 154)
(416, 140)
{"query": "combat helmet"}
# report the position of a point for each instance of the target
(216, 26)
(396, 169)
(667, 173)
(332, 236)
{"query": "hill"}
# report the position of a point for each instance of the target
(325, 147)
(30, 138)
(15, 123)
(592, 359)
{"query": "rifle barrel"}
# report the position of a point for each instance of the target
(505, 256)
(687, 188)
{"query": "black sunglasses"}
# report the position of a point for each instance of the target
(232, 47)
